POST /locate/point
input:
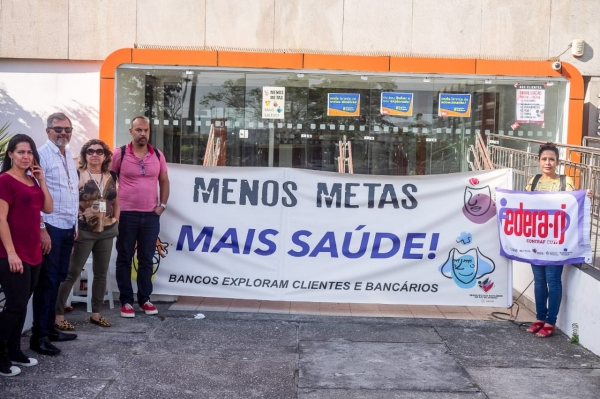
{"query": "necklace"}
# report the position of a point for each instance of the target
(99, 185)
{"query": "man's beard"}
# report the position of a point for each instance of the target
(60, 142)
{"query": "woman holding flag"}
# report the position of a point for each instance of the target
(547, 278)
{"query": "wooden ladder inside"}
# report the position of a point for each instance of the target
(213, 148)
(345, 158)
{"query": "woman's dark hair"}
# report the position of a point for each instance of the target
(549, 146)
(12, 146)
(107, 155)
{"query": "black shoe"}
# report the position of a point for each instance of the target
(43, 346)
(60, 336)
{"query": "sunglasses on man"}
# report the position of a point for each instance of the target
(91, 151)
(59, 129)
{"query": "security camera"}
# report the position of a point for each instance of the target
(557, 65)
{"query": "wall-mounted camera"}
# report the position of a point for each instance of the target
(557, 66)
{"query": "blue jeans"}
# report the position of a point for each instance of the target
(548, 292)
(143, 228)
(53, 271)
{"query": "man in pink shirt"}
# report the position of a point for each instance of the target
(139, 167)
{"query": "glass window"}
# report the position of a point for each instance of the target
(397, 125)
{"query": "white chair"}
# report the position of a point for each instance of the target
(90, 280)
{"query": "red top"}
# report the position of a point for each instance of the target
(138, 188)
(24, 206)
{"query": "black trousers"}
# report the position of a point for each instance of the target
(17, 289)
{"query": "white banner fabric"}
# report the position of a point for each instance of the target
(299, 235)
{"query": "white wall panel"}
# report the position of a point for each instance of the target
(31, 90)
(515, 28)
(170, 23)
(377, 25)
(309, 24)
(240, 23)
(34, 29)
(99, 27)
(451, 27)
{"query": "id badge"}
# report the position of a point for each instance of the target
(71, 187)
(101, 206)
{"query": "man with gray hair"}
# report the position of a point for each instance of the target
(58, 233)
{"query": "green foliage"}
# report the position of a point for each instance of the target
(574, 339)
(5, 137)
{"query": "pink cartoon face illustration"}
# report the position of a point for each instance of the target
(479, 206)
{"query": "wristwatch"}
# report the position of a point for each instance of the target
(42, 225)
(164, 206)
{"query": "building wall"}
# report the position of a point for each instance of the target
(31, 90)
(581, 294)
(516, 29)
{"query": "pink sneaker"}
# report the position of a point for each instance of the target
(149, 308)
(127, 311)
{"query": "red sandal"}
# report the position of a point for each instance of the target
(545, 331)
(535, 327)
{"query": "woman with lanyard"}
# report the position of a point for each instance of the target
(97, 221)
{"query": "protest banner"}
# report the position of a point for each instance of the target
(544, 228)
(301, 235)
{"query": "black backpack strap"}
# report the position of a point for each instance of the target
(563, 183)
(122, 156)
(157, 154)
(114, 176)
(535, 181)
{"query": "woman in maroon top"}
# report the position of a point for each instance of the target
(23, 194)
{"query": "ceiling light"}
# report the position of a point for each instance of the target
(189, 72)
(549, 83)
(300, 75)
(426, 80)
(364, 77)
(487, 81)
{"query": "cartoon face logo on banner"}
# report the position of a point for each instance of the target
(465, 268)
(479, 206)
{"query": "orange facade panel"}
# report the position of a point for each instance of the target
(432, 65)
(577, 90)
(347, 62)
(516, 68)
(174, 57)
(260, 60)
(116, 58)
(107, 111)
(447, 66)
(575, 127)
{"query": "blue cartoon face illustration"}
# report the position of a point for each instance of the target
(466, 267)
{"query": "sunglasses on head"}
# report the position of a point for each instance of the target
(59, 129)
(91, 151)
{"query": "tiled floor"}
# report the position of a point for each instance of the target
(347, 309)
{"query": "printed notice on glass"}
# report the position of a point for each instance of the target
(454, 105)
(398, 104)
(273, 103)
(531, 100)
(343, 104)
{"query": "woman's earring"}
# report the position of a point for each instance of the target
(11, 162)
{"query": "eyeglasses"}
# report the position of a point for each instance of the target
(143, 168)
(91, 151)
(59, 129)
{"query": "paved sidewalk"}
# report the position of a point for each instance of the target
(272, 355)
